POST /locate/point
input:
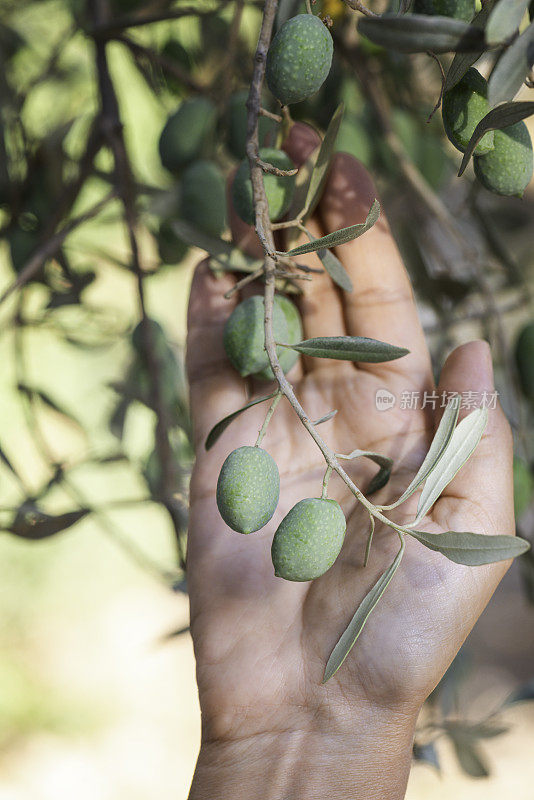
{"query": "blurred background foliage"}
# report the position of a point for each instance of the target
(96, 683)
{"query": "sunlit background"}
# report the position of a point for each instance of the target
(97, 691)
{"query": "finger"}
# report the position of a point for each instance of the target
(382, 305)
(484, 485)
(215, 387)
(320, 306)
(300, 143)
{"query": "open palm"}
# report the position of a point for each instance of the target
(262, 643)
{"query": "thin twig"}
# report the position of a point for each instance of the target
(357, 6)
(443, 79)
(271, 169)
(270, 115)
(127, 190)
(160, 60)
(243, 282)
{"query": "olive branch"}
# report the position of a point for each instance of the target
(452, 445)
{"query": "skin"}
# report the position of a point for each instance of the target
(270, 730)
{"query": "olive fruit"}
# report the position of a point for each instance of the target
(457, 9)
(463, 108)
(203, 199)
(279, 189)
(248, 489)
(186, 133)
(523, 486)
(299, 59)
(171, 249)
(524, 356)
(237, 125)
(308, 540)
(507, 169)
(244, 337)
(287, 358)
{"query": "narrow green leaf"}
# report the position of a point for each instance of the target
(512, 68)
(355, 626)
(324, 157)
(31, 523)
(326, 418)
(302, 183)
(384, 462)
(349, 348)
(336, 270)
(225, 256)
(505, 20)
(463, 441)
(498, 118)
(468, 757)
(221, 426)
(462, 61)
(417, 33)
(438, 446)
(472, 549)
(341, 236)
(33, 393)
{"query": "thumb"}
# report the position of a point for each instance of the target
(483, 488)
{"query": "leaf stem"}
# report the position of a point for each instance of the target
(270, 412)
(326, 479)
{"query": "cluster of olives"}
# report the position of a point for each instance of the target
(309, 538)
(503, 159)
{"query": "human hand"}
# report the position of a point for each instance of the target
(262, 643)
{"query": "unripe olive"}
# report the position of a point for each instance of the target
(186, 133)
(457, 9)
(22, 243)
(299, 59)
(524, 356)
(171, 248)
(523, 486)
(244, 336)
(248, 489)
(308, 540)
(463, 108)
(237, 125)
(203, 200)
(279, 189)
(287, 358)
(507, 169)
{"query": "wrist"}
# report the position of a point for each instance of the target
(367, 757)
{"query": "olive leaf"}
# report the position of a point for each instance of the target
(355, 626)
(31, 523)
(471, 549)
(438, 446)
(384, 462)
(341, 236)
(348, 348)
(322, 164)
(469, 757)
(463, 441)
(505, 20)
(226, 257)
(221, 426)
(417, 33)
(462, 61)
(512, 68)
(326, 418)
(498, 118)
(32, 393)
(334, 267)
